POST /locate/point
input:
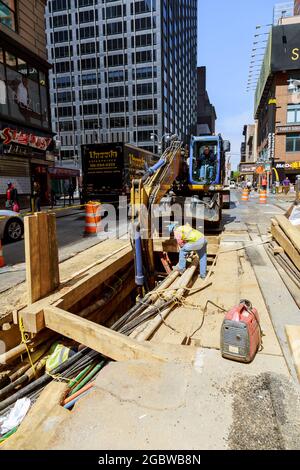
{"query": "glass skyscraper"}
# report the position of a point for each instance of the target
(122, 70)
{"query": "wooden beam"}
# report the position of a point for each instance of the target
(107, 342)
(170, 246)
(292, 232)
(41, 254)
(286, 244)
(73, 292)
(293, 336)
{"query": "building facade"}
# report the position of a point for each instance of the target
(206, 113)
(122, 70)
(277, 106)
(247, 166)
(26, 138)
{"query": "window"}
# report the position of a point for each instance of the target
(142, 135)
(293, 114)
(144, 105)
(115, 44)
(94, 108)
(87, 16)
(146, 120)
(89, 63)
(85, 3)
(143, 56)
(66, 97)
(87, 32)
(63, 67)
(67, 126)
(144, 89)
(89, 79)
(90, 95)
(65, 111)
(116, 76)
(117, 92)
(293, 143)
(62, 52)
(117, 107)
(140, 24)
(144, 73)
(116, 122)
(89, 124)
(63, 82)
(59, 5)
(115, 60)
(143, 40)
(62, 36)
(114, 12)
(87, 48)
(145, 6)
(114, 28)
(8, 13)
(59, 21)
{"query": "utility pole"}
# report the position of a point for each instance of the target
(272, 128)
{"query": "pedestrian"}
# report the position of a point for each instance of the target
(11, 197)
(264, 183)
(277, 186)
(71, 194)
(189, 240)
(249, 185)
(286, 185)
(36, 197)
(53, 198)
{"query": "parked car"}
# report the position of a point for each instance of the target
(11, 226)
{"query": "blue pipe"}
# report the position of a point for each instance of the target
(139, 274)
(72, 403)
(156, 167)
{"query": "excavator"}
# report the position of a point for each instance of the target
(191, 177)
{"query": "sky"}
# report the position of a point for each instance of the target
(226, 31)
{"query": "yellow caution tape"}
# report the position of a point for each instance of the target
(25, 338)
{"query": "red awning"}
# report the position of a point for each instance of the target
(63, 173)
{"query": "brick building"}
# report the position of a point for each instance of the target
(277, 102)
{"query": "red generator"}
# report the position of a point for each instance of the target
(241, 333)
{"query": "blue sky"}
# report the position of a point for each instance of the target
(225, 36)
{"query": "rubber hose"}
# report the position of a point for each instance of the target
(96, 369)
(72, 403)
(42, 380)
(4, 381)
(6, 390)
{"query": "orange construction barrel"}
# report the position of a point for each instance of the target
(263, 196)
(92, 218)
(245, 196)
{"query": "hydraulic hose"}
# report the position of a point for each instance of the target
(139, 274)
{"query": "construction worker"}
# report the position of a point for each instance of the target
(189, 240)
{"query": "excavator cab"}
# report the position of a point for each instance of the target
(205, 160)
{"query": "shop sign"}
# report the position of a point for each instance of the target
(247, 168)
(287, 129)
(287, 165)
(17, 137)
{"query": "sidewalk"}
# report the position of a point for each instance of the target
(60, 209)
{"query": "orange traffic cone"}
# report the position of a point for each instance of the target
(263, 197)
(92, 218)
(245, 196)
(2, 262)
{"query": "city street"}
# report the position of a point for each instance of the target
(71, 240)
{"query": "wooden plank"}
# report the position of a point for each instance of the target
(44, 259)
(293, 336)
(107, 342)
(31, 238)
(292, 232)
(286, 244)
(170, 246)
(70, 294)
(53, 252)
(42, 421)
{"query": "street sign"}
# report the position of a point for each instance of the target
(267, 166)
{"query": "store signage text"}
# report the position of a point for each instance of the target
(13, 136)
(288, 166)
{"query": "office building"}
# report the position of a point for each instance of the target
(206, 113)
(122, 70)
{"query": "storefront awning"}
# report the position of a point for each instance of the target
(63, 173)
